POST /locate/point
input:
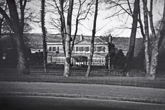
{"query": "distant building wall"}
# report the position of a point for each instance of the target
(56, 53)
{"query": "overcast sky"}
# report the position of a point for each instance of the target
(118, 26)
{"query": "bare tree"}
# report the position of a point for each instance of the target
(1, 48)
(67, 40)
(22, 9)
(62, 19)
(121, 7)
(125, 7)
(156, 40)
(141, 24)
(2, 21)
(153, 41)
(15, 25)
(92, 40)
(146, 40)
(59, 23)
(130, 52)
(82, 9)
(81, 15)
(108, 41)
(44, 34)
(25, 14)
(63, 7)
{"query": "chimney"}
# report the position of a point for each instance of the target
(110, 38)
(81, 37)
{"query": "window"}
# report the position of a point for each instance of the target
(54, 48)
(103, 49)
(81, 48)
(57, 48)
(50, 49)
(76, 48)
(99, 49)
(86, 49)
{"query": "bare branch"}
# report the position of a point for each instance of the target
(116, 14)
(57, 7)
(129, 7)
(141, 25)
(8, 20)
(122, 8)
(151, 19)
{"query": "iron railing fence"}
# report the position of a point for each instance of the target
(76, 72)
(78, 76)
(103, 77)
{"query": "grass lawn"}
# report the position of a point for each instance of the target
(78, 77)
(96, 86)
(99, 75)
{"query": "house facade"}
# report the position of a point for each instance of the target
(80, 53)
(81, 49)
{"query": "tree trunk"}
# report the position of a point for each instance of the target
(154, 61)
(22, 66)
(109, 52)
(1, 48)
(76, 29)
(92, 41)
(67, 40)
(74, 37)
(141, 24)
(63, 28)
(109, 62)
(130, 53)
(156, 41)
(146, 40)
(44, 35)
(22, 9)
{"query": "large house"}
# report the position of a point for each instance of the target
(81, 51)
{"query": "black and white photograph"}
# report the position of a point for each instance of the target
(82, 55)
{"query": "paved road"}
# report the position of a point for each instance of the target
(54, 103)
(46, 96)
(84, 90)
